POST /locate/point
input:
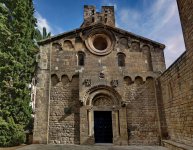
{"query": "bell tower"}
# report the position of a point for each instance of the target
(106, 16)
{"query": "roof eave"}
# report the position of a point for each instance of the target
(77, 30)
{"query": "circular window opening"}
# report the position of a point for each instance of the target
(100, 43)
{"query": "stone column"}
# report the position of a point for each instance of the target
(123, 126)
(83, 125)
(115, 127)
(86, 126)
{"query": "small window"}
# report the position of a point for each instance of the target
(121, 59)
(92, 12)
(105, 20)
(93, 19)
(81, 57)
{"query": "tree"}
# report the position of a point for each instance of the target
(17, 59)
(43, 35)
(10, 133)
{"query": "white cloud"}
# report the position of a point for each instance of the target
(163, 18)
(126, 15)
(158, 6)
(42, 22)
(174, 48)
(158, 21)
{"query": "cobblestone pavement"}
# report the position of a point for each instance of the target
(95, 147)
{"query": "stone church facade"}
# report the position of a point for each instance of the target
(102, 84)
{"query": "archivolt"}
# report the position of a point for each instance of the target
(104, 90)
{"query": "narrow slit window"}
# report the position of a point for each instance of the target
(92, 19)
(121, 60)
(81, 57)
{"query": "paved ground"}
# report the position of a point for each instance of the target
(12, 148)
(95, 147)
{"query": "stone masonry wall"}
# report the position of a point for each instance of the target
(143, 59)
(40, 133)
(177, 84)
(142, 118)
(177, 91)
(186, 17)
(64, 123)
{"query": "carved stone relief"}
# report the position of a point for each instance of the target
(101, 75)
(87, 82)
(114, 83)
(103, 101)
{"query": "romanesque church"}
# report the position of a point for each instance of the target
(101, 84)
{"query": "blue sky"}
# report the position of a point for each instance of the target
(154, 19)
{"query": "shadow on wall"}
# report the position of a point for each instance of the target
(66, 105)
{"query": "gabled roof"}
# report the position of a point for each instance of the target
(99, 25)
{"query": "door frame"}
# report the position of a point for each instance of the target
(112, 103)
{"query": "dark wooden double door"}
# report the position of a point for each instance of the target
(103, 126)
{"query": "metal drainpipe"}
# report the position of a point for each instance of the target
(158, 117)
(49, 94)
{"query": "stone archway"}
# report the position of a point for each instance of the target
(104, 99)
(91, 93)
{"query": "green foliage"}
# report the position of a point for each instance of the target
(17, 63)
(43, 35)
(10, 133)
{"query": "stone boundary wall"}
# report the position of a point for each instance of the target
(177, 92)
(177, 84)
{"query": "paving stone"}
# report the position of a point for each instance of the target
(81, 147)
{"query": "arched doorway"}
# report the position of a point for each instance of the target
(103, 132)
(102, 118)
